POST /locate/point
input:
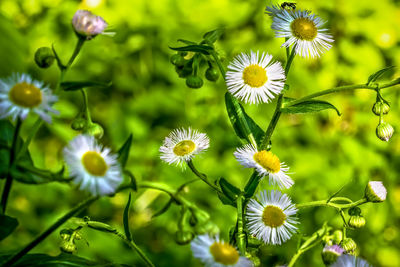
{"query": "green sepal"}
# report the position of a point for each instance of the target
(243, 124)
(74, 86)
(308, 106)
(204, 49)
(7, 225)
(252, 185)
(126, 219)
(388, 71)
(214, 35)
(229, 190)
(123, 152)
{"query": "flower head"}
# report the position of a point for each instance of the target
(182, 145)
(93, 167)
(347, 260)
(88, 25)
(331, 253)
(303, 30)
(214, 252)
(375, 191)
(20, 94)
(266, 164)
(270, 217)
(255, 78)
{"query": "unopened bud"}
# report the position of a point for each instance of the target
(337, 236)
(44, 57)
(212, 74)
(88, 25)
(68, 246)
(208, 227)
(183, 237)
(349, 245)
(177, 60)
(78, 124)
(193, 81)
(95, 130)
(356, 221)
(384, 131)
(331, 253)
(379, 107)
(184, 71)
(375, 191)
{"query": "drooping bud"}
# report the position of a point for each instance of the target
(194, 81)
(337, 236)
(212, 74)
(356, 221)
(78, 124)
(384, 131)
(208, 227)
(184, 71)
(95, 130)
(88, 25)
(331, 253)
(379, 107)
(44, 57)
(349, 245)
(68, 246)
(183, 237)
(375, 191)
(177, 60)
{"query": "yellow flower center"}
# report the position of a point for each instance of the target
(184, 147)
(94, 163)
(255, 76)
(304, 29)
(268, 161)
(273, 216)
(25, 95)
(224, 253)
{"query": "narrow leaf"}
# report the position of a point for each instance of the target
(7, 225)
(186, 42)
(123, 152)
(252, 185)
(308, 106)
(132, 178)
(204, 49)
(228, 189)
(225, 200)
(213, 36)
(126, 219)
(163, 209)
(380, 73)
(73, 86)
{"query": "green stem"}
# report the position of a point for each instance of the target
(240, 235)
(77, 49)
(133, 245)
(324, 203)
(272, 124)
(289, 61)
(219, 64)
(86, 106)
(9, 178)
(342, 89)
(202, 176)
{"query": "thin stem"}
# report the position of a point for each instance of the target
(157, 186)
(9, 178)
(86, 106)
(219, 64)
(341, 199)
(133, 245)
(240, 235)
(202, 176)
(290, 60)
(28, 140)
(77, 49)
(273, 123)
(324, 203)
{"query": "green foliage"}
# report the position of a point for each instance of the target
(309, 106)
(7, 226)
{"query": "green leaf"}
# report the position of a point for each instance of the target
(186, 42)
(204, 49)
(308, 106)
(388, 71)
(62, 260)
(225, 200)
(229, 190)
(132, 178)
(252, 185)
(123, 152)
(244, 126)
(73, 86)
(126, 219)
(214, 35)
(163, 209)
(7, 225)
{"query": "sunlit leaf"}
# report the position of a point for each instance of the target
(204, 49)
(308, 106)
(388, 71)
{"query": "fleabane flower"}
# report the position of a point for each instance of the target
(213, 252)
(347, 260)
(375, 191)
(20, 94)
(266, 164)
(271, 217)
(255, 78)
(181, 145)
(303, 30)
(331, 253)
(88, 25)
(93, 167)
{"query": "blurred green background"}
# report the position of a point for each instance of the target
(148, 99)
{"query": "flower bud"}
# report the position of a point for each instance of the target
(184, 71)
(183, 237)
(177, 60)
(356, 221)
(349, 245)
(78, 124)
(384, 131)
(95, 130)
(44, 57)
(337, 236)
(193, 81)
(199, 217)
(354, 211)
(65, 234)
(208, 227)
(68, 246)
(212, 74)
(88, 25)
(379, 107)
(331, 253)
(375, 191)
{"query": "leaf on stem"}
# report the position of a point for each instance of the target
(308, 106)
(7, 225)
(163, 209)
(73, 85)
(386, 72)
(229, 190)
(126, 219)
(123, 152)
(213, 36)
(204, 49)
(252, 185)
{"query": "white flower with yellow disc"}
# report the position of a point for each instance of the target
(255, 78)
(20, 94)
(93, 167)
(271, 217)
(266, 164)
(182, 145)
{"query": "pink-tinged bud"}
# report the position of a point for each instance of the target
(87, 24)
(375, 191)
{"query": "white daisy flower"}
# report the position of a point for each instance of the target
(270, 217)
(375, 191)
(303, 30)
(266, 164)
(214, 252)
(93, 167)
(182, 145)
(20, 94)
(347, 260)
(254, 78)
